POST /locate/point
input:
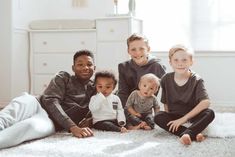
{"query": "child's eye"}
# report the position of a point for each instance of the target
(134, 49)
(89, 64)
(142, 48)
(108, 87)
(80, 65)
(99, 87)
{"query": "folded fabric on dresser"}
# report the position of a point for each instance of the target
(62, 24)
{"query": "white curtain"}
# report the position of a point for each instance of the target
(202, 24)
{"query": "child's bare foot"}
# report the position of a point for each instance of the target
(185, 139)
(142, 124)
(123, 130)
(200, 137)
(146, 127)
(137, 127)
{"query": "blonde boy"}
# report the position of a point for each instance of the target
(185, 98)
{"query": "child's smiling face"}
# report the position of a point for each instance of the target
(138, 51)
(84, 67)
(181, 61)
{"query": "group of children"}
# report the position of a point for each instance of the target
(68, 99)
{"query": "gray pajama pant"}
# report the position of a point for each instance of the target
(23, 119)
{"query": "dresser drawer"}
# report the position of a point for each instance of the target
(112, 51)
(51, 63)
(112, 30)
(60, 42)
(40, 83)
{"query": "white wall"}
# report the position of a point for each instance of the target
(28, 10)
(5, 49)
(19, 62)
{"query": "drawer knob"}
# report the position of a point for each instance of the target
(44, 43)
(111, 30)
(44, 64)
(82, 42)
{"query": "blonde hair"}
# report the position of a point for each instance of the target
(178, 47)
(151, 77)
(135, 37)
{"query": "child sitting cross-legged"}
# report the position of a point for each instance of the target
(185, 98)
(106, 108)
(141, 103)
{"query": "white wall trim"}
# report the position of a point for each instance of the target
(21, 30)
(201, 53)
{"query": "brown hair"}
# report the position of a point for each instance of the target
(136, 36)
(178, 47)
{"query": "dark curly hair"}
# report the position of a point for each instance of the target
(82, 52)
(106, 74)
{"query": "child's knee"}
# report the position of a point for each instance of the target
(211, 114)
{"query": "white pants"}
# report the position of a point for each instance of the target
(23, 119)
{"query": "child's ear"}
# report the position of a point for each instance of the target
(128, 50)
(170, 62)
(156, 90)
(149, 48)
(192, 62)
(73, 68)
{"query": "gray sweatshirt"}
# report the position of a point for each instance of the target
(66, 100)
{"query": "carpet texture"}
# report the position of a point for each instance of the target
(138, 143)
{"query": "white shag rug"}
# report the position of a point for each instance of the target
(157, 142)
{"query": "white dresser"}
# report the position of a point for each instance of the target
(112, 33)
(52, 51)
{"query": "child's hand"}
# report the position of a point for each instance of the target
(174, 125)
(138, 114)
(81, 132)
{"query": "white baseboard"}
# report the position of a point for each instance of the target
(223, 108)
